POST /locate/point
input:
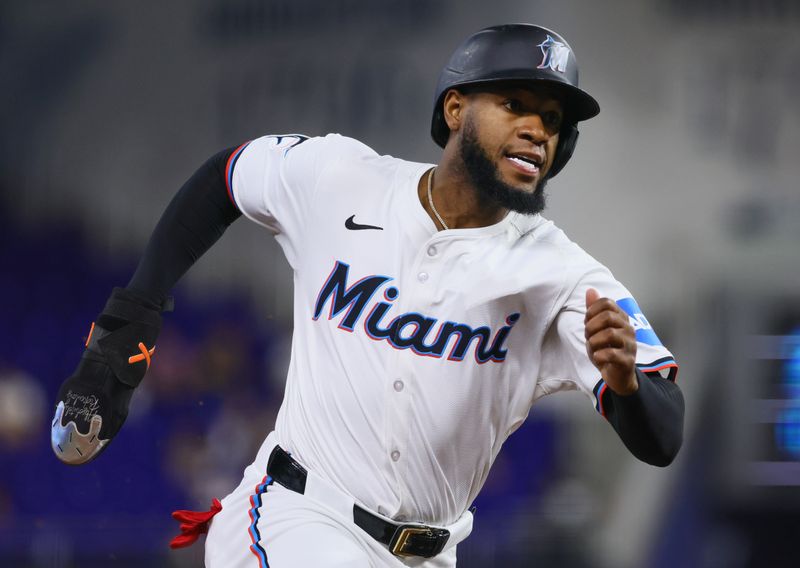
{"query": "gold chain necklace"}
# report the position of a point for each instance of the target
(430, 200)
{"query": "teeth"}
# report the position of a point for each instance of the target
(528, 165)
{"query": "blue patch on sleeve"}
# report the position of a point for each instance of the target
(644, 331)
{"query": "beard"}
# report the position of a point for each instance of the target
(492, 190)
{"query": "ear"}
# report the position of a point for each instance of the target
(453, 109)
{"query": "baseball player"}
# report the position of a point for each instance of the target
(433, 306)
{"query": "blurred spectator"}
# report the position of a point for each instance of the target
(22, 410)
(176, 375)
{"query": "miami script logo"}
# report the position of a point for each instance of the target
(424, 335)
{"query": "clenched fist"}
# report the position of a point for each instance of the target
(611, 343)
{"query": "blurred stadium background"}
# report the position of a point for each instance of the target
(686, 185)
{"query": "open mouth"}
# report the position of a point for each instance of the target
(525, 163)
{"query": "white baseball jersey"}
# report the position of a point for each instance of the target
(416, 352)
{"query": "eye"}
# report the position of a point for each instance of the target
(513, 105)
(552, 119)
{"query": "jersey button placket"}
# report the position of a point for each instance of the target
(397, 409)
(399, 418)
(428, 260)
(415, 297)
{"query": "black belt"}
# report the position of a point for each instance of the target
(402, 539)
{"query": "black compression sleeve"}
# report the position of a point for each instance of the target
(193, 221)
(650, 421)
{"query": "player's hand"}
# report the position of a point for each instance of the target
(611, 343)
(92, 404)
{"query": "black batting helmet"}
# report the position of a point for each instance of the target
(520, 53)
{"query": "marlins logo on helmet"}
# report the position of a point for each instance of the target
(554, 54)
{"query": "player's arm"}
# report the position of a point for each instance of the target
(646, 410)
(92, 404)
(194, 220)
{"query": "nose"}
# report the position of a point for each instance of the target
(532, 128)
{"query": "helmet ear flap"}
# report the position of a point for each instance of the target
(568, 138)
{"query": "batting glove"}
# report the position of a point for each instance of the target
(92, 404)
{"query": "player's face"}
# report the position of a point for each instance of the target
(508, 142)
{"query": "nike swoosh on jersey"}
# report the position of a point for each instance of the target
(353, 226)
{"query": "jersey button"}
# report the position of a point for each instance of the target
(395, 456)
(422, 276)
(398, 386)
(432, 250)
